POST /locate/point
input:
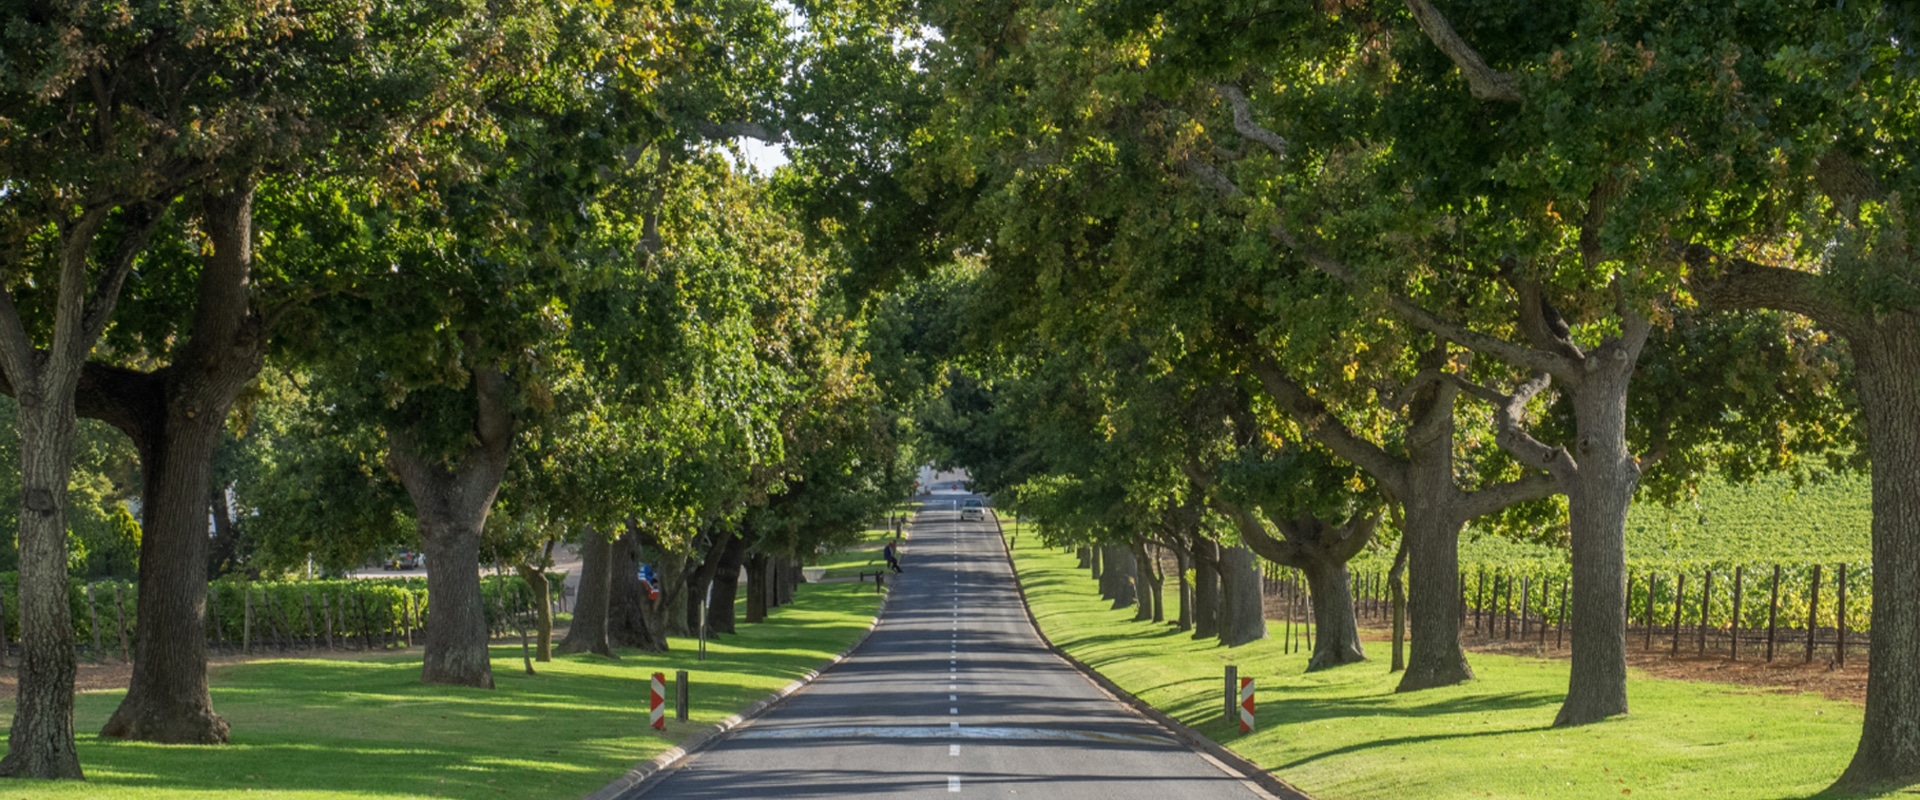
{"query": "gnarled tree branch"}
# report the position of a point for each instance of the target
(1322, 425)
(1486, 82)
(1243, 121)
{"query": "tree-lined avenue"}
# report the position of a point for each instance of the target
(954, 689)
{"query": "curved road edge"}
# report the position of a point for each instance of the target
(638, 779)
(1226, 760)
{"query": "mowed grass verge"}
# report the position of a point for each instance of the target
(320, 728)
(1343, 734)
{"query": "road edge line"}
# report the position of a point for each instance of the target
(1214, 752)
(643, 776)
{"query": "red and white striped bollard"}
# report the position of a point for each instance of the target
(1246, 705)
(657, 712)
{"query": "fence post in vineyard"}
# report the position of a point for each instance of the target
(1480, 600)
(1286, 625)
(1773, 612)
(1560, 631)
(1546, 596)
(1706, 610)
(1460, 585)
(1526, 591)
(120, 622)
(366, 626)
(326, 618)
(1813, 612)
(246, 619)
(1679, 604)
(93, 622)
(1840, 620)
(1739, 575)
(1509, 607)
(306, 611)
(1306, 618)
(276, 618)
(1652, 581)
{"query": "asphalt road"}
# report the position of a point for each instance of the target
(952, 694)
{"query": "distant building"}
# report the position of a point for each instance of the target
(932, 480)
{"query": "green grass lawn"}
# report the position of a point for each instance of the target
(1344, 734)
(318, 728)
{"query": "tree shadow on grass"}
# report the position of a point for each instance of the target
(369, 727)
(1358, 747)
(1831, 793)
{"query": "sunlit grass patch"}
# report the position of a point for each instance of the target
(1344, 733)
(320, 728)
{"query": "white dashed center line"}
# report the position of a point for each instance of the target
(953, 783)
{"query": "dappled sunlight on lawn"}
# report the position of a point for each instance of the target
(1345, 733)
(321, 728)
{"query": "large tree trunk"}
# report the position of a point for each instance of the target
(1083, 557)
(41, 743)
(701, 582)
(628, 624)
(1886, 363)
(759, 586)
(1183, 561)
(1435, 657)
(1093, 563)
(182, 415)
(456, 640)
(1242, 609)
(1206, 588)
(543, 609)
(726, 586)
(1598, 497)
(675, 598)
(452, 506)
(1118, 575)
(167, 699)
(1321, 551)
(1336, 636)
(789, 578)
(1146, 584)
(588, 633)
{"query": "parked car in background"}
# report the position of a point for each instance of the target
(400, 559)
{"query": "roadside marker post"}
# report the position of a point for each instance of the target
(657, 711)
(1246, 705)
(1231, 694)
(680, 695)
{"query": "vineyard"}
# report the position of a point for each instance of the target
(1762, 571)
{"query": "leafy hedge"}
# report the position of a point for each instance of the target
(377, 608)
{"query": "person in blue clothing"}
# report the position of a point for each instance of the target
(893, 556)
